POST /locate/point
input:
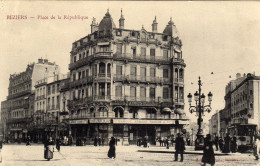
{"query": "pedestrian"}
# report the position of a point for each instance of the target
(160, 140)
(208, 152)
(48, 154)
(58, 142)
(112, 148)
(179, 147)
(28, 141)
(99, 141)
(103, 141)
(227, 144)
(221, 144)
(145, 142)
(1, 146)
(216, 142)
(256, 148)
(167, 143)
(95, 141)
(233, 145)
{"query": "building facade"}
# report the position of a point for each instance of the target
(126, 83)
(214, 124)
(20, 99)
(47, 106)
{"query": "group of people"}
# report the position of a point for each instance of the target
(208, 151)
(226, 145)
(99, 141)
(143, 141)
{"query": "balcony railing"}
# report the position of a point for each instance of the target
(179, 80)
(179, 100)
(19, 94)
(138, 78)
(146, 58)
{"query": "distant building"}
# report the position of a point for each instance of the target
(47, 106)
(18, 109)
(126, 83)
(214, 125)
(242, 102)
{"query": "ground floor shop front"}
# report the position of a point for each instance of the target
(126, 131)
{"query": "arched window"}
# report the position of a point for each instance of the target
(92, 112)
(176, 74)
(103, 112)
(109, 70)
(119, 112)
(181, 73)
(102, 68)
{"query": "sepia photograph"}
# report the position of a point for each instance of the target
(138, 83)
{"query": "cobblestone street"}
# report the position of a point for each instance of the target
(126, 155)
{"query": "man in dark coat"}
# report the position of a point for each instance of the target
(227, 144)
(179, 147)
(58, 142)
(216, 141)
(208, 152)
(112, 148)
(95, 141)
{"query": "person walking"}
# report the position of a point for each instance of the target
(48, 154)
(112, 148)
(233, 145)
(227, 144)
(179, 147)
(95, 141)
(1, 146)
(28, 141)
(221, 144)
(58, 142)
(256, 148)
(216, 142)
(167, 143)
(208, 152)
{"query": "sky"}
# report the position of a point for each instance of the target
(218, 37)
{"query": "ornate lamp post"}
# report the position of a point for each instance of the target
(200, 108)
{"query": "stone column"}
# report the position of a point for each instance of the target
(157, 134)
(110, 132)
(126, 136)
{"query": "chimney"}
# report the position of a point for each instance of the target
(154, 25)
(45, 60)
(94, 26)
(121, 21)
(238, 75)
(40, 60)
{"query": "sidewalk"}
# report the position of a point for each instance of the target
(189, 150)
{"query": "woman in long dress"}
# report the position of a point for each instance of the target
(48, 154)
(112, 148)
(208, 152)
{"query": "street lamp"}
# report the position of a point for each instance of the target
(200, 108)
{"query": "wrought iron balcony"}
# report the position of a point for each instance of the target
(19, 94)
(144, 58)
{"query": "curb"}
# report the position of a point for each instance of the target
(185, 152)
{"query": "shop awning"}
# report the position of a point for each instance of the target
(179, 111)
(103, 43)
(166, 109)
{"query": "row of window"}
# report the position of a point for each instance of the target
(166, 92)
(20, 89)
(119, 71)
(119, 50)
(150, 114)
(52, 89)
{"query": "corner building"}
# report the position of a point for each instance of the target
(126, 83)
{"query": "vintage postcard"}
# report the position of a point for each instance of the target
(129, 83)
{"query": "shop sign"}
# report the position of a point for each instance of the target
(140, 121)
(141, 103)
(82, 121)
(99, 120)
